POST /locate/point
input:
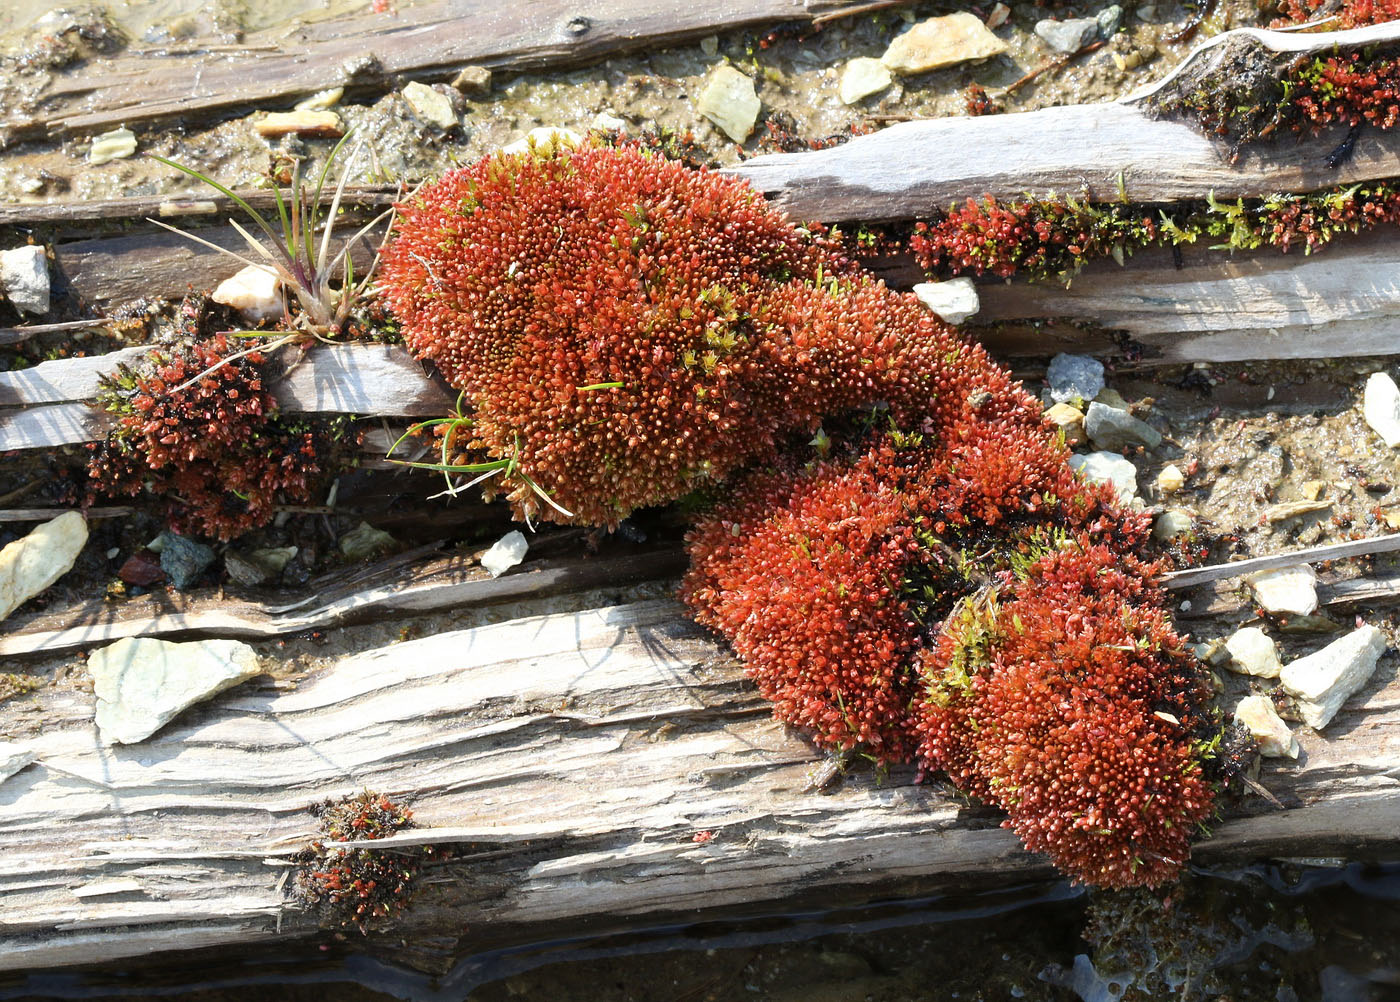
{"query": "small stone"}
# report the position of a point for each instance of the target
(864, 76)
(1110, 397)
(1257, 715)
(1068, 419)
(1068, 36)
(29, 565)
(952, 301)
(1171, 479)
(941, 41)
(1252, 652)
(311, 124)
(255, 292)
(24, 275)
(115, 145)
(183, 559)
(1109, 19)
(474, 80)
(1288, 590)
(365, 541)
(243, 571)
(321, 100)
(1172, 523)
(1312, 489)
(141, 569)
(142, 683)
(1323, 681)
(1112, 429)
(544, 139)
(729, 101)
(1381, 407)
(606, 121)
(1074, 377)
(13, 758)
(709, 45)
(429, 105)
(999, 15)
(508, 551)
(1107, 468)
(273, 558)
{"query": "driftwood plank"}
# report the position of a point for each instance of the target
(369, 380)
(420, 41)
(1102, 151)
(572, 757)
(453, 583)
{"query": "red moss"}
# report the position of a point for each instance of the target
(215, 452)
(628, 329)
(601, 309)
(1350, 14)
(1080, 719)
(1040, 238)
(1353, 88)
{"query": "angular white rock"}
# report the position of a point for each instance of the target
(13, 758)
(429, 105)
(142, 683)
(24, 274)
(544, 138)
(1380, 406)
(1252, 652)
(942, 41)
(255, 292)
(1288, 590)
(1323, 681)
(864, 76)
(115, 145)
(508, 551)
(952, 301)
(1107, 468)
(1257, 715)
(729, 101)
(31, 564)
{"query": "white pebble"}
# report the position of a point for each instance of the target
(508, 551)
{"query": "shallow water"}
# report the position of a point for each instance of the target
(1279, 933)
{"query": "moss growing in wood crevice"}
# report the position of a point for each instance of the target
(352, 886)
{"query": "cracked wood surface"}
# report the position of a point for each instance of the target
(571, 759)
(429, 41)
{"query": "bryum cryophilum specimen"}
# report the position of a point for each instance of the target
(624, 329)
(214, 451)
(355, 886)
(1055, 237)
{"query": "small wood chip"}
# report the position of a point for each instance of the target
(1290, 508)
(317, 124)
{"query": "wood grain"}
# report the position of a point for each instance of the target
(574, 757)
(425, 41)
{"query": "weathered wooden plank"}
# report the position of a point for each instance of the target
(453, 583)
(425, 40)
(202, 202)
(1101, 151)
(1343, 301)
(369, 380)
(572, 757)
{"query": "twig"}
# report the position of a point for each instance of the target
(866, 8)
(1308, 555)
(14, 335)
(45, 514)
(1053, 64)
